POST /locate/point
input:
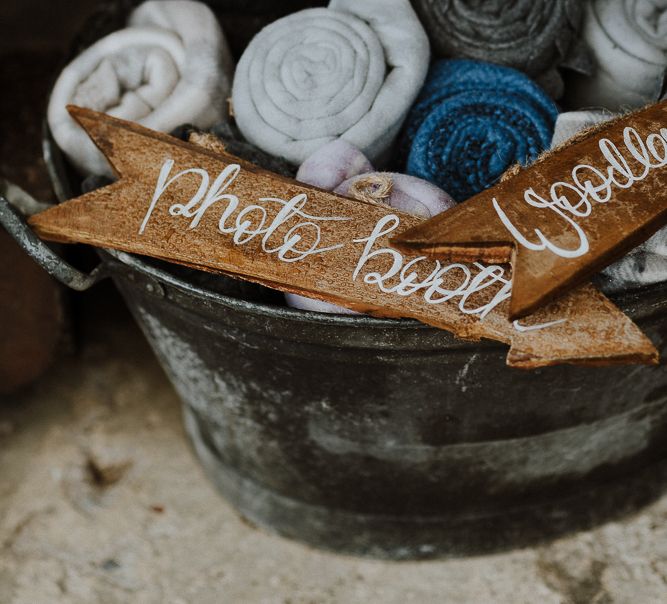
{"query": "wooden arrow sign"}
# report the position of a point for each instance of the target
(567, 216)
(201, 207)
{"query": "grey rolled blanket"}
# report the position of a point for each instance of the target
(533, 36)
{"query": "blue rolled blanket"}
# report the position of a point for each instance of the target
(471, 122)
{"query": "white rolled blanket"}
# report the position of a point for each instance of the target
(628, 40)
(647, 263)
(351, 70)
(170, 66)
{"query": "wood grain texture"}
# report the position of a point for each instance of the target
(366, 275)
(606, 189)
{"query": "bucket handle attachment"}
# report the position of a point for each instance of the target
(15, 224)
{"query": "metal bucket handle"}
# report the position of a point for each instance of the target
(15, 224)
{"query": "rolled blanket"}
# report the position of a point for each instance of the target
(260, 7)
(333, 163)
(169, 66)
(533, 36)
(471, 122)
(400, 191)
(348, 71)
(647, 263)
(342, 168)
(331, 167)
(628, 39)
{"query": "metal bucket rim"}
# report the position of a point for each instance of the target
(259, 308)
(307, 316)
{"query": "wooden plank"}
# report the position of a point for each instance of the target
(180, 202)
(567, 216)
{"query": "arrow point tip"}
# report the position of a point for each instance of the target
(518, 309)
(83, 114)
(75, 110)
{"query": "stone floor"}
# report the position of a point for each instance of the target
(102, 501)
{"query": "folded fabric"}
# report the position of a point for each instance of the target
(169, 66)
(332, 167)
(471, 122)
(261, 7)
(647, 263)
(640, 267)
(533, 36)
(20, 199)
(342, 168)
(348, 71)
(571, 123)
(628, 39)
(399, 191)
(333, 163)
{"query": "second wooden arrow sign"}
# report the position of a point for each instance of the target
(565, 217)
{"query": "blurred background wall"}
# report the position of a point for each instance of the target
(41, 24)
(33, 309)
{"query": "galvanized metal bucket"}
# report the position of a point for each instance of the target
(390, 438)
(387, 438)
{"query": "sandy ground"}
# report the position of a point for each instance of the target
(102, 500)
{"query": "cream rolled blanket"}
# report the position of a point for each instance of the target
(628, 40)
(169, 66)
(647, 263)
(348, 71)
